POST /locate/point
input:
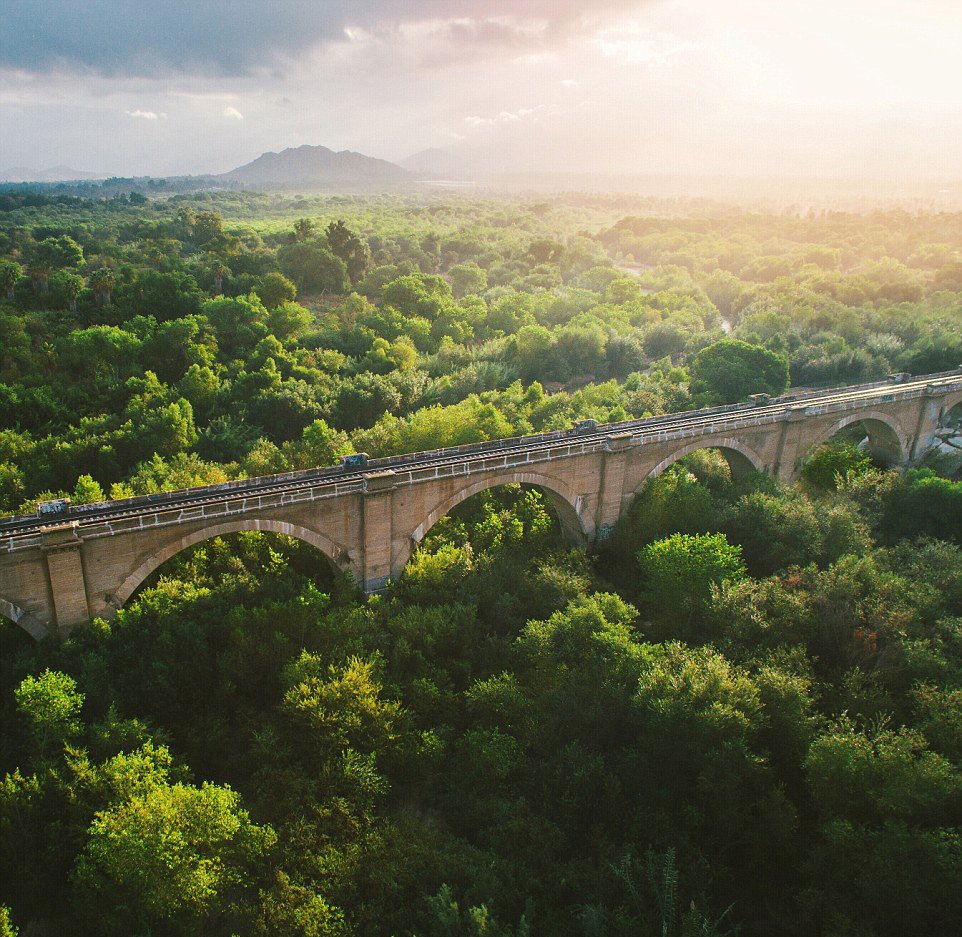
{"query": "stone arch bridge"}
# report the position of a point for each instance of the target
(56, 576)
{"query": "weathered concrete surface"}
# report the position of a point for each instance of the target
(55, 578)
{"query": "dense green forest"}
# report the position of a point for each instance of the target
(742, 714)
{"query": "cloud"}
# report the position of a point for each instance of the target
(233, 113)
(640, 46)
(245, 37)
(146, 115)
(503, 117)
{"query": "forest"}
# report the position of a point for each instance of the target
(741, 714)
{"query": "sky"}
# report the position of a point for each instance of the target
(818, 88)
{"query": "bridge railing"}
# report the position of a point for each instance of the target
(493, 447)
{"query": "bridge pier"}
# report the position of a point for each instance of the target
(789, 451)
(931, 412)
(377, 531)
(614, 467)
(68, 588)
(55, 577)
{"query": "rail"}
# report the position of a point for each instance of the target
(410, 467)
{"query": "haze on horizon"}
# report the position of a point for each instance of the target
(747, 88)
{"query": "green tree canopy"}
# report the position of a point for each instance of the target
(731, 369)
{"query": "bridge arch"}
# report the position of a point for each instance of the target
(562, 498)
(336, 555)
(952, 410)
(887, 441)
(742, 459)
(24, 619)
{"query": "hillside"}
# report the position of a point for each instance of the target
(53, 174)
(316, 166)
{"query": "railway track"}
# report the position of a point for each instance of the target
(708, 422)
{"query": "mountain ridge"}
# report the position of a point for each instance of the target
(315, 166)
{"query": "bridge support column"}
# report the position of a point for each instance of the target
(930, 417)
(377, 531)
(613, 465)
(61, 547)
(789, 452)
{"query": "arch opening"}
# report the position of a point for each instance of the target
(710, 462)
(564, 506)
(952, 418)
(334, 559)
(875, 435)
(946, 454)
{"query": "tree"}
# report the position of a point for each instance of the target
(467, 279)
(87, 491)
(545, 251)
(680, 571)
(7, 927)
(288, 320)
(219, 270)
(50, 704)
(59, 252)
(418, 294)
(162, 295)
(923, 503)
(338, 707)
(344, 243)
(730, 370)
(775, 531)
(532, 343)
(53, 254)
(100, 351)
(102, 283)
(14, 341)
(65, 286)
(303, 230)
(830, 463)
(171, 852)
(10, 273)
(313, 267)
(665, 339)
(318, 445)
(205, 227)
(239, 322)
(275, 289)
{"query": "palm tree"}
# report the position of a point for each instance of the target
(10, 273)
(72, 286)
(102, 282)
(40, 275)
(303, 229)
(219, 270)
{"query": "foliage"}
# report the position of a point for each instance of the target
(729, 370)
(741, 715)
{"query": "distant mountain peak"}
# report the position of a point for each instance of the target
(316, 166)
(53, 174)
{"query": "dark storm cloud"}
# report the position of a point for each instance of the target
(237, 37)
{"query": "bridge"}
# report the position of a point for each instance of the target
(55, 576)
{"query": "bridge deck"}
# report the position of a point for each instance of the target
(247, 494)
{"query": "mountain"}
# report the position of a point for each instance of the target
(54, 174)
(437, 163)
(316, 166)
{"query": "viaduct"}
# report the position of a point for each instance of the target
(57, 575)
